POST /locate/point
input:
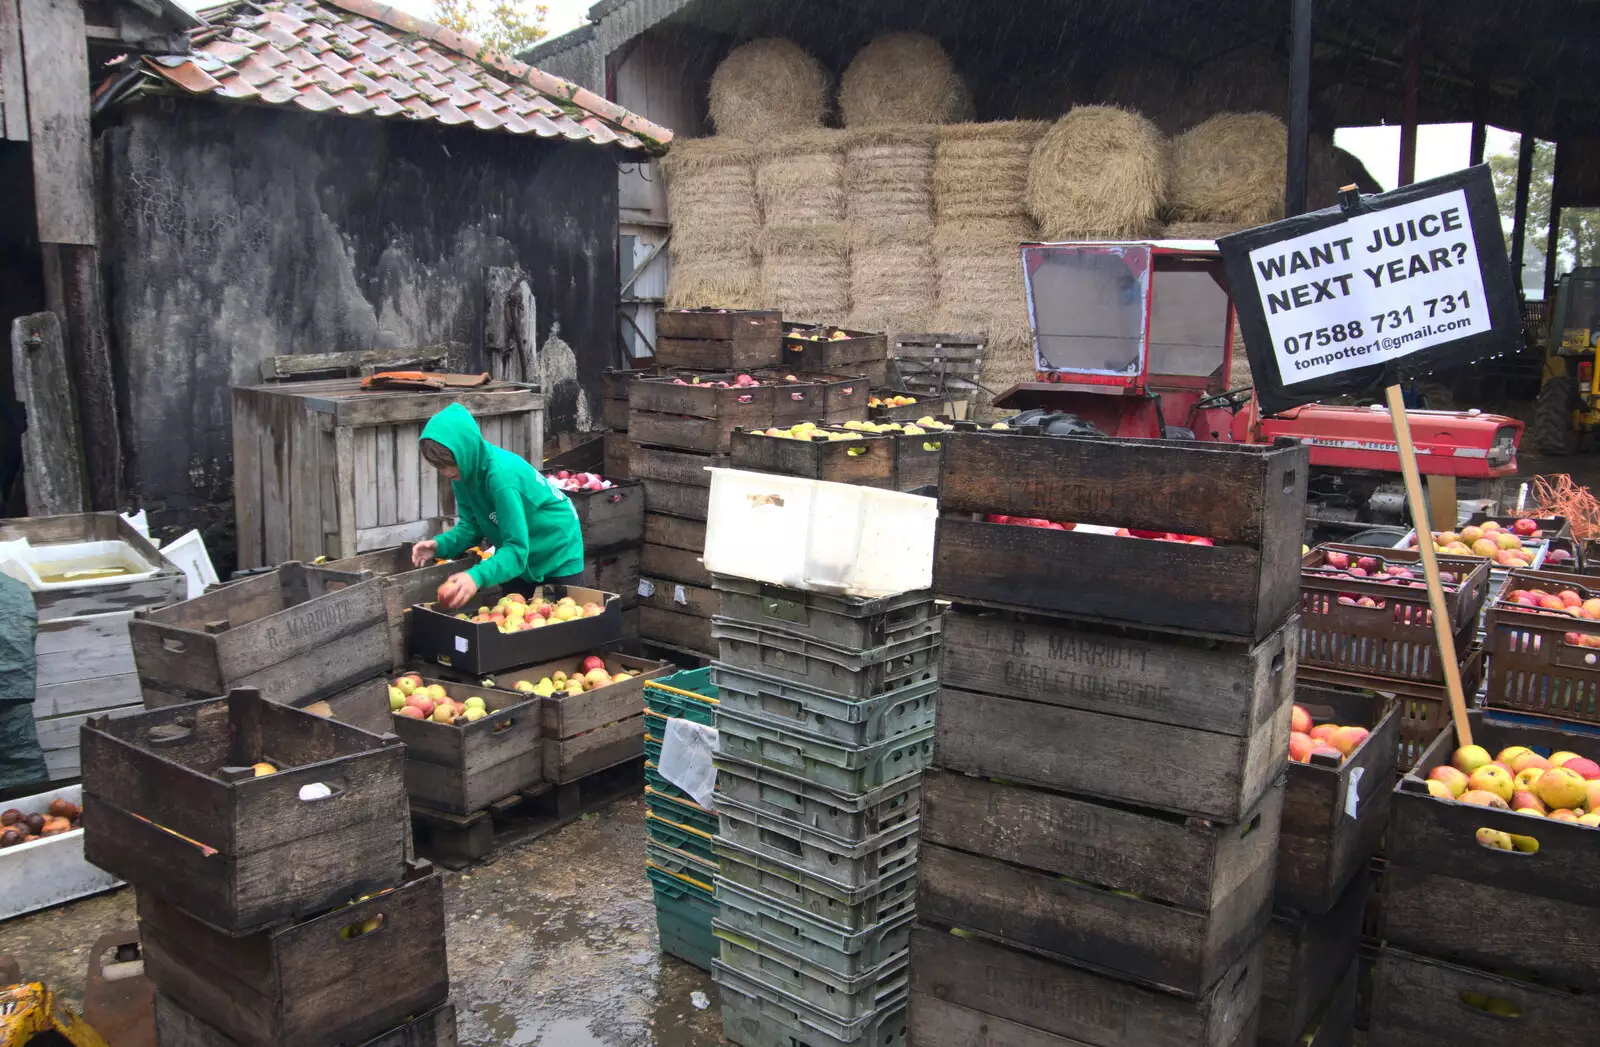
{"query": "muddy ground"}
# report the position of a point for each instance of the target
(552, 944)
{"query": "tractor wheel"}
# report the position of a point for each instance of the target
(1552, 430)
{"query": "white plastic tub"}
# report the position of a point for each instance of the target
(51, 870)
(817, 536)
(75, 565)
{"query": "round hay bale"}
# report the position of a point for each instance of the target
(1098, 172)
(725, 281)
(805, 271)
(1242, 82)
(889, 181)
(767, 86)
(1151, 86)
(800, 178)
(1229, 169)
(899, 78)
(980, 171)
(711, 193)
(893, 286)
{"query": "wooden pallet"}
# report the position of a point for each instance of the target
(456, 841)
(943, 365)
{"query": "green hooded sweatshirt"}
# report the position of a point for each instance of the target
(507, 503)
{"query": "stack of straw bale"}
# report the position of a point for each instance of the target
(980, 179)
(899, 79)
(766, 87)
(1229, 169)
(889, 212)
(805, 253)
(716, 223)
(1098, 173)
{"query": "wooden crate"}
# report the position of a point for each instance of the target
(614, 571)
(297, 634)
(940, 365)
(615, 455)
(614, 382)
(1146, 718)
(677, 614)
(1423, 1002)
(817, 396)
(466, 767)
(612, 517)
(1445, 895)
(917, 460)
(326, 469)
(665, 412)
(313, 981)
(582, 733)
(719, 339)
(1249, 499)
(82, 654)
(163, 809)
(403, 585)
(673, 549)
(176, 1027)
(675, 482)
(1335, 811)
(971, 990)
(814, 348)
(868, 460)
(1134, 894)
(1307, 960)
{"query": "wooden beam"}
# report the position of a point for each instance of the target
(51, 458)
(1411, 101)
(13, 81)
(1519, 209)
(72, 292)
(1299, 108)
(56, 56)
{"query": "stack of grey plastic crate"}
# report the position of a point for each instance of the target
(825, 724)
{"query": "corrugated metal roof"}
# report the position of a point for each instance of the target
(365, 58)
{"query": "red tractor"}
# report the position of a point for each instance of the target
(1135, 339)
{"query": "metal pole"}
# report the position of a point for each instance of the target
(1480, 142)
(1294, 193)
(1411, 102)
(1519, 212)
(1553, 239)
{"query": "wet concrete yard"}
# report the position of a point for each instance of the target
(552, 944)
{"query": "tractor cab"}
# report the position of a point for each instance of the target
(1128, 336)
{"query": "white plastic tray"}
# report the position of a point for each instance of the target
(51, 870)
(33, 564)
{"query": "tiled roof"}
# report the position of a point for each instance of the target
(365, 58)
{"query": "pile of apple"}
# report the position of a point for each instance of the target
(410, 697)
(807, 432)
(1326, 739)
(1374, 569)
(1488, 540)
(61, 817)
(926, 424)
(591, 675)
(514, 614)
(740, 381)
(896, 400)
(580, 481)
(832, 335)
(1562, 786)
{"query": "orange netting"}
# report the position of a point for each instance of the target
(1558, 496)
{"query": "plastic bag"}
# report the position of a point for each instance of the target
(686, 754)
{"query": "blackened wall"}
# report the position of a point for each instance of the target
(236, 233)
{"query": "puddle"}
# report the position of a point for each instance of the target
(554, 944)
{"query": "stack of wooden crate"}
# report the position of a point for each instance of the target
(612, 523)
(1487, 924)
(83, 658)
(1103, 821)
(275, 909)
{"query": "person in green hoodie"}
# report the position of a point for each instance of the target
(503, 502)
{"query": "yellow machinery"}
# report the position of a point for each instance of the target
(1569, 397)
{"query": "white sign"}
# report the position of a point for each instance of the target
(1375, 288)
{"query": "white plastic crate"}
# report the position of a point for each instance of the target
(818, 536)
(50, 870)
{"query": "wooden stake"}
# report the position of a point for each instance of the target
(1430, 563)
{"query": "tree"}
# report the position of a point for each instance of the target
(505, 25)
(1578, 238)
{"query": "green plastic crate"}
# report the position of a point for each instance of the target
(680, 809)
(681, 838)
(652, 778)
(683, 864)
(683, 919)
(688, 695)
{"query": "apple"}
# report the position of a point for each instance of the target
(444, 713)
(1450, 777)
(1563, 816)
(1323, 731)
(1300, 720)
(592, 663)
(1585, 768)
(1560, 787)
(1509, 754)
(1480, 798)
(1494, 839)
(397, 698)
(1440, 791)
(1348, 739)
(1527, 801)
(410, 711)
(1560, 758)
(1469, 534)
(1525, 527)
(1528, 777)
(1469, 758)
(1493, 779)
(1338, 560)
(1300, 746)
(422, 704)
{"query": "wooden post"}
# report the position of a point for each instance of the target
(51, 458)
(1430, 564)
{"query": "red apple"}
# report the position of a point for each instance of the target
(1525, 527)
(1338, 560)
(592, 663)
(1300, 747)
(1300, 721)
(1585, 768)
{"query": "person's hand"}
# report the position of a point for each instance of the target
(424, 553)
(457, 590)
